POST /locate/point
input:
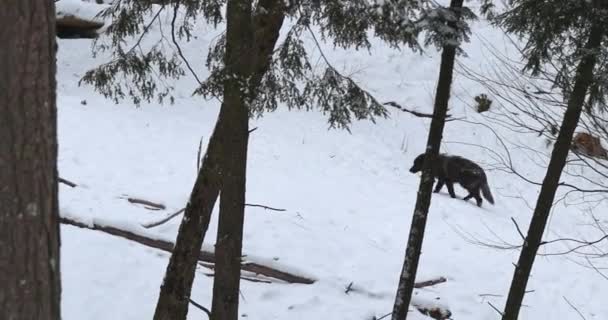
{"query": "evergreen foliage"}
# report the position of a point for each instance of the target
(139, 74)
(555, 34)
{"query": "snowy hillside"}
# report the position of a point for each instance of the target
(348, 198)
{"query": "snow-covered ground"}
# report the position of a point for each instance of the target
(349, 199)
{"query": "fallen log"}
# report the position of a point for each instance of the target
(70, 26)
(429, 283)
(204, 256)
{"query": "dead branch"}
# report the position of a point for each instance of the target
(413, 112)
(250, 279)
(205, 310)
(384, 316)
(274, 273)
(67, 182)
(159, 206)
(495, 309)
(575, 308)
(204, 256)
(349, 288)
(429, 283)
(521, 234)
(262, 206)
(164, 220)
(175, 214)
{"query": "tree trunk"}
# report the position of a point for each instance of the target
(423, 201)
(239, 39)
(559, 155)
(30, 286)
(228, 246)
(177, 284)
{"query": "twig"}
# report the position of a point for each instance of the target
(429, 283)
(67, 182)
(262, 206)
(152, 208)
(178, 47)
(211, 275)
(162, 221)
(205, 310)
(493, 307)
(252, 130)
(413, 112)
(147, 203)
(596, 269)
(384, 316)
(173, 215)
(518, 229)
(349, 288)
(575, 309)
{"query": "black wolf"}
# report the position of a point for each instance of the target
(449, 169)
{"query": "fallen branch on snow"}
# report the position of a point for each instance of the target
(352, 287)
(164, 220)
(204, 256)
(147, 203)
(178, 212)
(413, 112)
(428, 283)
(263, 206)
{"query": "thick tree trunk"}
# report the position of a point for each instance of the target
(229, 138)
(30, 286)
(228, 246)
(423, 201)
(250, 66)
(559, 155)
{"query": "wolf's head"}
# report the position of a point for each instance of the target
(418, 162)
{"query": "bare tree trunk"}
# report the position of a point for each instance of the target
(247, 57)
(30, 286)
(423, 201)
(584, 76)
(228, 246)
(229, 138)
(177, 284)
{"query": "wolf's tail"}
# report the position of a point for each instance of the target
(485, 190)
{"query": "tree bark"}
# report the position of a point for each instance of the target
(559, 155)
(30, 286)
(248, 55)
(423, 201)
(177, 285)
(228, 245)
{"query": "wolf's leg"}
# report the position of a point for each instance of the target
(468, 197)
(475, 194)
(450, 186)
(478, 199)
(439, 185)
